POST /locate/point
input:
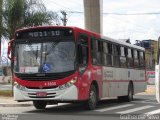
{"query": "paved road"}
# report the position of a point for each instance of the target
(142, 106)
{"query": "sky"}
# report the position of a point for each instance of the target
(133, 27)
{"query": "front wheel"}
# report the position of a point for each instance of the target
(39, 104)
(92, 102)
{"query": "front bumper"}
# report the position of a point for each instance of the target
(55, 94)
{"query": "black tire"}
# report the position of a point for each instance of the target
(129, 97)
(92, 101)
(39, 104)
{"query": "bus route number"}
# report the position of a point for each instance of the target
(50, 84)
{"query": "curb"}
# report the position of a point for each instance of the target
(7, 93)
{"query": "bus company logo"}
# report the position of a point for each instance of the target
(108, 74)
(40, 87)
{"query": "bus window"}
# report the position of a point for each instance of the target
(108, 55)
(130, 58)
(99, 52)
(104, 53)
(83, 51)
(141, 59)
(93, 51)
(115, 55)
(136, 58)
(122, 57)
(105, 47)
(83, 59)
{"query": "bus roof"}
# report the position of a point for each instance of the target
(85, 31)
(122, 43)
(111, 39)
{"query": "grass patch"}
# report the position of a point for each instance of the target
(6, 92)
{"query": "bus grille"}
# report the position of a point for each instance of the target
(42, 88)
(49, 95)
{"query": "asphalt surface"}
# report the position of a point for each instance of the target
(143, 107)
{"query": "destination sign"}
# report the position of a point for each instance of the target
(42, 33)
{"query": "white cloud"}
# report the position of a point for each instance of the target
(133, 27)
(119, 27)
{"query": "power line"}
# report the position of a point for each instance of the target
(61, 6)
(69, 11)
(152, 13)
(76, 2)
(109, 13)
(137, 25)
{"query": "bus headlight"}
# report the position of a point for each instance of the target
(68, 84)
(20, 87)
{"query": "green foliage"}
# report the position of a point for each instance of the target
(1, 17)
(25, 13)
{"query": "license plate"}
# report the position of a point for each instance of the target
(41, 94)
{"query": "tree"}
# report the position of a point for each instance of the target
(1, 1)
(25, 13)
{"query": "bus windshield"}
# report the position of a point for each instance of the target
(45, 57)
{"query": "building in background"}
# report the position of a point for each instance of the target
(150, 52)
(150, 57)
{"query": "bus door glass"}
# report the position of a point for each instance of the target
(82, 53)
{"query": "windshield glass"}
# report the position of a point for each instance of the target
(49, 57)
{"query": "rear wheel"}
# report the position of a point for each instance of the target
(129, 97)
(39, 104)
(92, 102)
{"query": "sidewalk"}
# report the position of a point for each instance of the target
(151, 89)
(9, 102)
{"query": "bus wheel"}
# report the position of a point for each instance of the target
(39, 104)
(92, 102)
(129, 97)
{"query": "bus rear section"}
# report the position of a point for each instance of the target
(119, 68)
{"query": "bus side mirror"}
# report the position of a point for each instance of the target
(9, 49)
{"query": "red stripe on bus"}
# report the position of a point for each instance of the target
(123, 80)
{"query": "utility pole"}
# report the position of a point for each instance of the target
(64, 18)
(93, 15)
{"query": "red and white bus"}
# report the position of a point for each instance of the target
(68, 64)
